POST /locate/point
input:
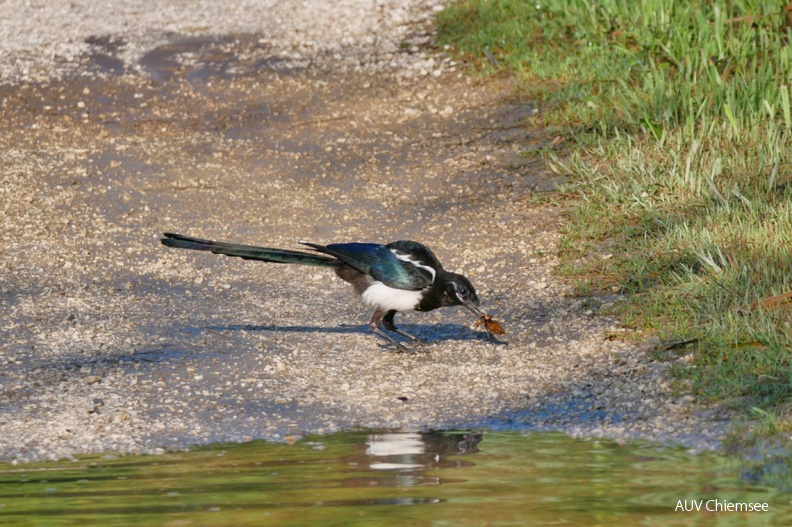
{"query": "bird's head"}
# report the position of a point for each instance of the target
(458, 291)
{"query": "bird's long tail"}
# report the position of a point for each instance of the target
(248, 252)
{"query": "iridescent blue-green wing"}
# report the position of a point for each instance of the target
(381, 263)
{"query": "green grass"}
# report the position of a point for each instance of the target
(680, 167)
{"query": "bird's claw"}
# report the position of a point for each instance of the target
(393, 342)
(411, 347)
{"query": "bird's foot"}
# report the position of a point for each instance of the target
(415, 346)
(400, 347)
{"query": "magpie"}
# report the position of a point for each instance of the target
(399, 276)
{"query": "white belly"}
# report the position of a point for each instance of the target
(381, 296)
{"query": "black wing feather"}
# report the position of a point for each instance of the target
(379, 262)
(247, 252)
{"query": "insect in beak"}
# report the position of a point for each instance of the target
(472, 307)
(492, 326)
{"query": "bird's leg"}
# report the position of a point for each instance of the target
(387, 321)
(374, 326)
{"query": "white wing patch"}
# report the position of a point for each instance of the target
(381, 296)
(406, 258)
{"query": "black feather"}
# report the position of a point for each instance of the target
(248, 252)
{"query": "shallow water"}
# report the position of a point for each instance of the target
(390, 478)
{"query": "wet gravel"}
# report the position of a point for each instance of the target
(268, 123)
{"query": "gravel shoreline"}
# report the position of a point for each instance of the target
(268, 123)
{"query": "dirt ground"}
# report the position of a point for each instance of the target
(109, 341)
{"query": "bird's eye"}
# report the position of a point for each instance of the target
(462, 291)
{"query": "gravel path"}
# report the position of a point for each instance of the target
(267, 123)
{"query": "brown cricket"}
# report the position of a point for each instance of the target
(490, 324)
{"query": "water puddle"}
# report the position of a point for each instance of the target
(103, 57)
(393, 478)
(199, 59)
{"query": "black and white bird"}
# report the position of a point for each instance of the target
(399, 276)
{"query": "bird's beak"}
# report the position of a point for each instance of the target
(473, 308)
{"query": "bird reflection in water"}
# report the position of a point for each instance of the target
(410, 454)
